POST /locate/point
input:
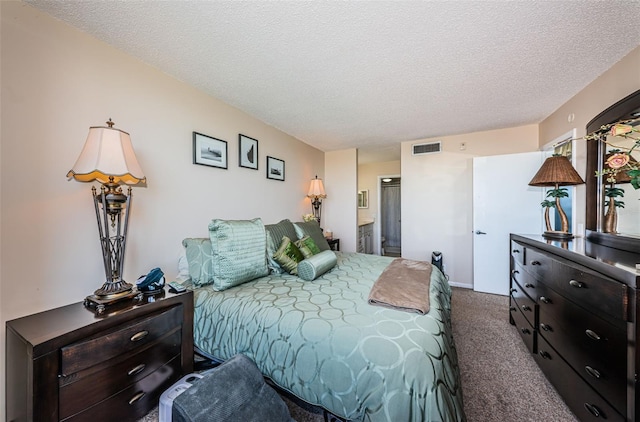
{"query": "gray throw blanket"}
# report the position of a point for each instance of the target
(404, 286)
(232, 392)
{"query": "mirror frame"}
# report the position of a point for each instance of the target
(625, 109)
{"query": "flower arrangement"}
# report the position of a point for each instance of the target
(308, 217)
(619, 160)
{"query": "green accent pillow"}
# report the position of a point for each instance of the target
(312, 229)
(199, 256)
(307, 246)
(239, 251)
(313, 267)
(275, 232)
(288, 255)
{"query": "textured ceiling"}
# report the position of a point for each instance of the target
(372, 74)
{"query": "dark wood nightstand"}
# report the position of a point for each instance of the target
(334, 244)
(71, 364)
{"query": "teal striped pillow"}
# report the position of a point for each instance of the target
(239, 251)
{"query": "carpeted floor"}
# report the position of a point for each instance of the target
(500, 380)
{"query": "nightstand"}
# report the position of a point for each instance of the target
(334, 244)
(71, 364)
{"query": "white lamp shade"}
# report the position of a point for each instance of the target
(107, 152)
(316, 190)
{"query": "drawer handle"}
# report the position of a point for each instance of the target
(137, 397)
(525, 331)
(514, 272)
(529, 286)
(526, 308)
(512, 308)
(137, 369)
(139, 336)
(516, 251)
(592, 335)
(544, 355)
(546, 327)
(592, 409)
(513, 290)
(535, 263)
(545, 300)
(593, 372)
(577, 284)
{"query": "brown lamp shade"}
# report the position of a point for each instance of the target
(556, 170)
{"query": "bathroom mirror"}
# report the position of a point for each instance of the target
(626, 231)
(363, 198)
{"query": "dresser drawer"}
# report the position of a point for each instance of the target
(134, 401)
(600, 359)
(105, 346)
(86, 388)
(590, 290)
(538, 264)
(524, 303)
(517, 252)
(583, 400)
(525, 329)
(527, 282)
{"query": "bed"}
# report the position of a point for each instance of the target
(324, 343)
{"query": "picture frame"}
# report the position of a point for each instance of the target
(209, 151)
(275, 168)
(247, 152)
(363, 198)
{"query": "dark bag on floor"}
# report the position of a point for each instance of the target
(234, 391)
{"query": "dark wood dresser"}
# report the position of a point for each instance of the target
(70, 364)
(575, 305)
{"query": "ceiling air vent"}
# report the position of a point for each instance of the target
(428, 148)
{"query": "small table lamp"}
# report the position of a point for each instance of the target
(316, 193)
(108, 157)
(557, 171)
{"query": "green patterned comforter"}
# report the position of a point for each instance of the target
(323, 342)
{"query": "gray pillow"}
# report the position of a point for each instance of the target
(275, 233)
(239, 251)
(316, 265)
(199, 255)
(312, 229)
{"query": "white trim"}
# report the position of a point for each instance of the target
(377, 232)
(463, 285)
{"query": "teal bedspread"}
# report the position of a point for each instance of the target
(323, 342)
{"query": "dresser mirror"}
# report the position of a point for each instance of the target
(625, 232)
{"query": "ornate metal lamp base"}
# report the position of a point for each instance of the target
(557, 235)
(100, 303)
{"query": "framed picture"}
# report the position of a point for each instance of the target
(363, 198)
(248, 152)
(209, 151)
(275, 168)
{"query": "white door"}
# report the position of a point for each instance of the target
(503, 203)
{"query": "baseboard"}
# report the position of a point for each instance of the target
(462, 285)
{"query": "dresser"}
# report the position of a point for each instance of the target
(574, 304)
(70, 364)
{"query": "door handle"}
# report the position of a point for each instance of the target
(479, 232)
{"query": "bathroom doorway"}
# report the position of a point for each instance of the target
(390, 232)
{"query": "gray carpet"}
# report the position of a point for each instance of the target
(500, 380)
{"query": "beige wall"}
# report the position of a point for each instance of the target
(437, 211)
(368, 178)
(56, 82)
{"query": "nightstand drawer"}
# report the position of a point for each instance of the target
(135, 401)
(105, 346)
(583, 400)
(591, 290)
(88, 387)
(525, 329)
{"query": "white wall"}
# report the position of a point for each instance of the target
(340, 209)
(56, 82)
(437, 212)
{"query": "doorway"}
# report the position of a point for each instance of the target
(390, 212)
